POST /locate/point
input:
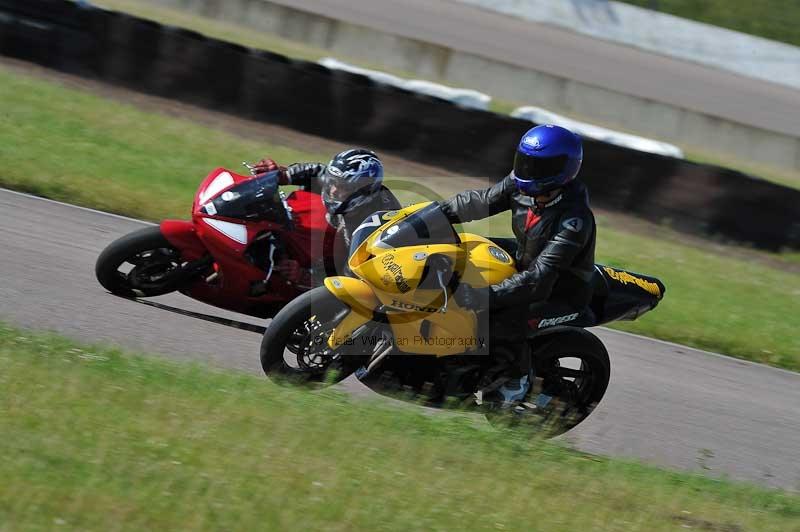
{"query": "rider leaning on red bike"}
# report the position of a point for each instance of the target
(351, 186)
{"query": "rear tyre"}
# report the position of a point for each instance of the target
(294, 350)
(572, 371)
(139, 264)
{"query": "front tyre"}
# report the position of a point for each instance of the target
(295, 348)
(139, 264)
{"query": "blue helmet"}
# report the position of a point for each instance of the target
(351, 179)
(548, 157)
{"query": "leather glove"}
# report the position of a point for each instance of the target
(473, 298)
(299, 172)
(265, 166)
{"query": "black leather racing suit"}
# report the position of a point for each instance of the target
(554, 251)
(308, 176)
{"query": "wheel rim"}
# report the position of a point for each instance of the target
(563, 394)
(570, 381)
(149, 271)
(307, 355)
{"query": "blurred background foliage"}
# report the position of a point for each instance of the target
(778, 20)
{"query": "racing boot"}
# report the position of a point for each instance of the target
(504, 393)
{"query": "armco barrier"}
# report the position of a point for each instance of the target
(42, 11)
(127, 48)
(310, 103)
(225, 81)
(179, 70)
(184, 65)
(466, 97)
(355, 107)
(586, 130)
(27, 39)
(265, 85)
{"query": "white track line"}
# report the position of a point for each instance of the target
(87, 209)
(615, 331)
(701, 351)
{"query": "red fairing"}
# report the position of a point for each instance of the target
(307, 210)
(308, 241)
(183, 236)
(215, 184)
(239, 249)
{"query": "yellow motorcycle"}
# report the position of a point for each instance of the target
(396, 325)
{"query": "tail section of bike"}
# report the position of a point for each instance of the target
(622, 295)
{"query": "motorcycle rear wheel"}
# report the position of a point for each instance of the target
(573, 392)
(294, 348)
(152, 259)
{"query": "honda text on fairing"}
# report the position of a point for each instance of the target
(396, 325)
(227, 254)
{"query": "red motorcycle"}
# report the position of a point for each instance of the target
(243, 230)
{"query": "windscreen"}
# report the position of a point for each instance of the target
(252, 199)
(428, 225)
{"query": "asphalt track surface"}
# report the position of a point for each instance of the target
(666, 404)
(569, 55)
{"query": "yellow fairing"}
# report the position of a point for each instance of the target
(440, 334)
(487, 264)
(361, 299)
(389, 282)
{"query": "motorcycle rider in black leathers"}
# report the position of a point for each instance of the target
(351, 186)
(554, 249)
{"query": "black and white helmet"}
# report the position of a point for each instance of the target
(351, 179)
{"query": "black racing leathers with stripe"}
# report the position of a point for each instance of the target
(555, 263)
(555, 247)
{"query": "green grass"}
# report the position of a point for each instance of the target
(73, 146)
(77, 147)
(781, 176)
(732, 306)
(256, 39)
(94, 439)
(773, 19)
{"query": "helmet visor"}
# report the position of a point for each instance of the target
(336, 190)
(530, 168)
(340, 195)
(537, 175)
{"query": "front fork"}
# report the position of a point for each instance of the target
(383, 347)
(191, 271)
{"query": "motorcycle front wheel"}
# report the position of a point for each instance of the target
(295, 348)
(139, 264)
